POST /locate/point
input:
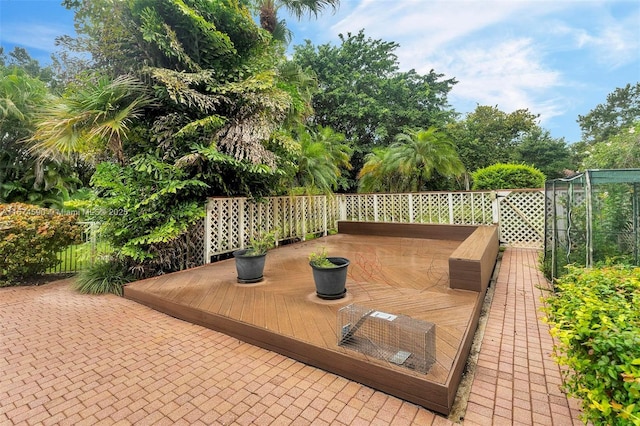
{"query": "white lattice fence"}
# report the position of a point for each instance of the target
(432, 207)
(231, 222)
(521, 218)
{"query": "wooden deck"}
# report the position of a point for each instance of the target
(397, 275)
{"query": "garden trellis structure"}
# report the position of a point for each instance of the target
(590, 218)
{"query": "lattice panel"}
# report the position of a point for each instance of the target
(299, 215)
(197, 244)
(333, 212)
(230, 217)
(432, 208)
(317, 210)
(521, 218)
(476, 209)
(400, 208)
(459, 209)
(231, 222)
(360, 207)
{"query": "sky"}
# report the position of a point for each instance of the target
(557, 58)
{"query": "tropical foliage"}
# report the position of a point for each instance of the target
(364, 95)
(324, 155)
(268, 14)
(92, 118)
(146, 207)
(22, 177)
(620, 151)
(104, 276)
(189, 102)
(595, 318)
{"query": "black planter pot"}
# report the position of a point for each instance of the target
(250, 268)
(331, 282)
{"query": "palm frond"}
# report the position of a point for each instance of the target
(89, 118)
(300, 8)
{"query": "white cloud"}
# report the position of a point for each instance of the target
(509, 74)
(434, 24)
(617, 43)
(605, 40)
(32, 36)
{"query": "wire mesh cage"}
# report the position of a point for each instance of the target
(592, 217)
(396, 339)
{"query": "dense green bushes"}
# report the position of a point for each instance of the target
(596, 321)
(508, 176)
(30, 237)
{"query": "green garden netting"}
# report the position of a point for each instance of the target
(591, 218)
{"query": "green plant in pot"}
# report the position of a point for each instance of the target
(251, 260)
(329, 274)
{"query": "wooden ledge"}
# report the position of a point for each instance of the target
(471, 264)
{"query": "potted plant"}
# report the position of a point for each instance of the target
(329, 274)
(250, 261)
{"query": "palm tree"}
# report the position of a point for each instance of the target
(323, 153)
(22, 177)
(379, 174)
(418, 154)
(91, 119)
(268, 10)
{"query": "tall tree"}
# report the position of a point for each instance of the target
(20, 96)
(364, 95)
(552, 156)
(620, 151)
(221, 90)
(620, 111)
(214, 74)
(488, 135)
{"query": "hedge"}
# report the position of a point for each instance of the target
(507, 176)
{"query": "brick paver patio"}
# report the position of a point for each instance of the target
(71, 359)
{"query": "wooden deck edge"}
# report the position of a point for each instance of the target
(460, 361)
(407, 230)
(433, 396)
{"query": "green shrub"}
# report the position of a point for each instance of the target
(146, 209)
(596, 321)
(30, 237)
(104, 276)
(508, 176)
